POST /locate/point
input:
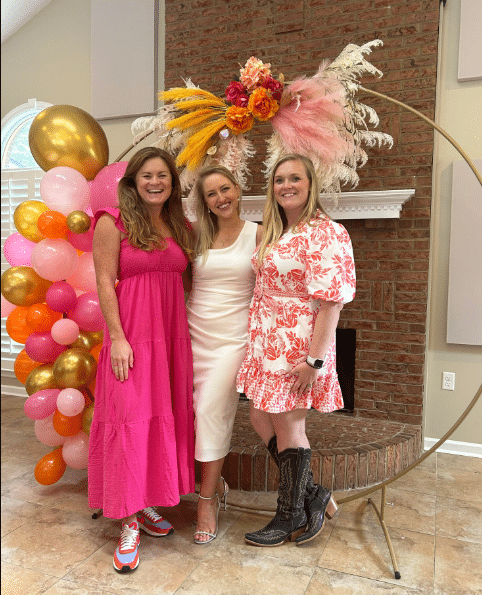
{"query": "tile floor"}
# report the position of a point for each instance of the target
(51, 545)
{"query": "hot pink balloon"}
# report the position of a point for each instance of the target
(64, 331)
(70, 401)
(42, 403)
(7, 307)
(18, 250)
(75, 451)
(54, 259)
(84, 276)
(82, 241)
(61, 296)
(45, 432)
(65, 189)
(42, 348)
(104, 186)
(87, 313)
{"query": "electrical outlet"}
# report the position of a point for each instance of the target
(448, 381)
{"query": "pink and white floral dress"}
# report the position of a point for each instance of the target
(306, 266)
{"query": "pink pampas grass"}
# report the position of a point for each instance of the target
(312, 121)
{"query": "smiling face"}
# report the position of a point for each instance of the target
(221, 196)
(291, 188)
(154, 183)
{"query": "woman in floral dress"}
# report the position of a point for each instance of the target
(305, 273)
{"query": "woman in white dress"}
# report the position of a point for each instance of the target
(218, 306)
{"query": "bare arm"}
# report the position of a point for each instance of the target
(106, 249)
(325, 327)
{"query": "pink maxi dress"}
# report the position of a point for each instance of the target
(141, 448)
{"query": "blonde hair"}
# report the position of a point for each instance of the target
(208, 222)
(135, 216)
(274, 218)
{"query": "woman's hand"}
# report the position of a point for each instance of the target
(122, 358)
(306, 377)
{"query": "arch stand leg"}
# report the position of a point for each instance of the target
(381, 518)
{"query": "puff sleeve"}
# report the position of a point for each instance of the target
(330, 267)
(115, 213)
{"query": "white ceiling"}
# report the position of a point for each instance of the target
(15, 13)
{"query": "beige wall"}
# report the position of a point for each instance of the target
(459, 113)
(49, 59)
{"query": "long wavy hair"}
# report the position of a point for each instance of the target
(274, 218)
(208, 222)
(136, 217)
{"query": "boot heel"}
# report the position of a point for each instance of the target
(296, 533)
(331, 508)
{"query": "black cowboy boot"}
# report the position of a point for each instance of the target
(318, 501)
(290, 518)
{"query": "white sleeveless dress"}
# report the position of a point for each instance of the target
(218, 310)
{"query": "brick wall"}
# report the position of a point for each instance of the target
(208, 40)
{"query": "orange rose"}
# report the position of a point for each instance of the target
(239, 119)
(262, 105)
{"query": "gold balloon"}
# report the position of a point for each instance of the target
(86, 340)
(23, 287)
(64, 135)
(74, 368)
(97, 336)
(78, 222)
(40, 378)
(25, 219)
(87, 418)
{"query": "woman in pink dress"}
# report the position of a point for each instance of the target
(141, 450)
(305, 273)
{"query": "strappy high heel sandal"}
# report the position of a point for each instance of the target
(225, 492)
(212, 536)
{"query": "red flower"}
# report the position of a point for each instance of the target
(274, 86)
(236, 94)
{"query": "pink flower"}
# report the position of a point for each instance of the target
(236, 94)
(254, 73)
(274, 86)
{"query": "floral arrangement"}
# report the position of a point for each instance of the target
(319, 117)
(256, 95)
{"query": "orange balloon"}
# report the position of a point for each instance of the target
(24, 365)
(41, 317)
(50, 468)
(67, 425)
(96, 351)
(53, 224)
(17, 326)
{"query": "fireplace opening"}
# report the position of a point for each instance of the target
(345, 365)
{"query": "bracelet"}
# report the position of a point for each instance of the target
(314, 363)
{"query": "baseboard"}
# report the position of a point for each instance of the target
(466, 449)
(14, 391)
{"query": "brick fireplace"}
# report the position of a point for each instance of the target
(208, 40)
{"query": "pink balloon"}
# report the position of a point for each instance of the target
(65, 189)
(7, 307)
(75, 450)
(87, 313)
(104, 186)
(64, 331)
(18, 250)
(70, 401)
(61, 296)
(42, 348)
(84, 276)
(54, 259)
(82, 241)
(45, 432)
(41, 404)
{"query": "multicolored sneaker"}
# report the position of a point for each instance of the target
(126, 555)
(152, 523)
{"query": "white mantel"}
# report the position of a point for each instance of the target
(366, 204)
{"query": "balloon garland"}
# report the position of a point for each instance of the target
(49, 294)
